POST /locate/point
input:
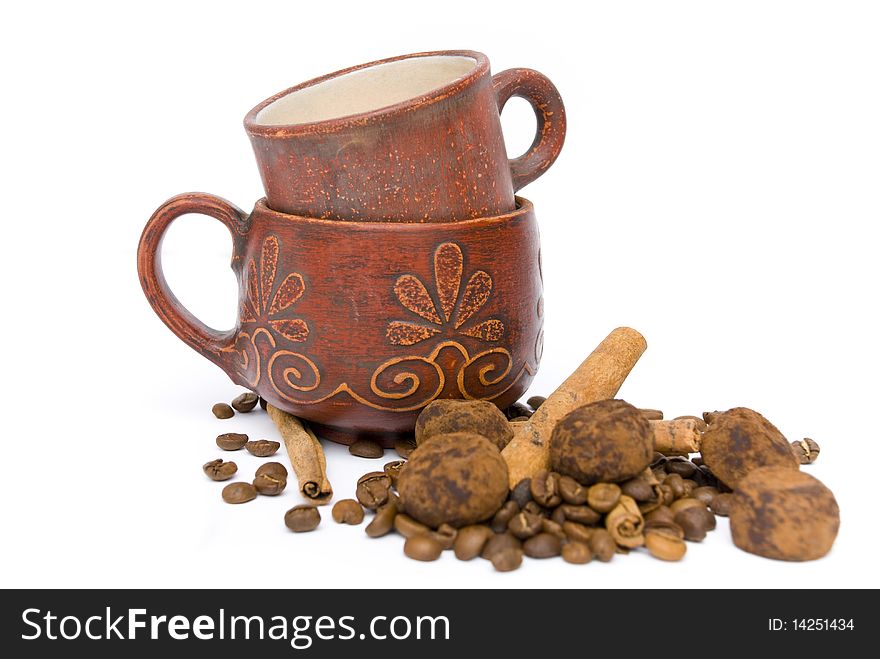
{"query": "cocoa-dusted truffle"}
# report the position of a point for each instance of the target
(606, 441)
(740, 440)
(458, 478)
(780, 513)
(477, 416)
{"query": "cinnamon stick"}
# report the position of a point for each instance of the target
(599, 377)
(676, 437)
(306, 456)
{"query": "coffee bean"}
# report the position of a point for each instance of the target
(670, 528)
(689, 486)
(667, 492)
(571, 491)
(525, 525)
(408, 527)
(347, 511)
(231, 441)
(720, 505)
(535, 508)
(558, 514)
(551, 527)
(365, 448)
(245, 402)
(239, 493)
(705, 494)
(499, 542)
(577, 532)
(709, 477)
(545, 488)
(392, 470)
(507, 560)
(577, 553)
(639, 489)
(217, 470)
(383, 521)
(223, 411)
(646, 507)
(684, 468)
(522, 493)
(806, 450)
(662, 514)
(262, 448)
(695, 522)
(685, 502)
(602, 545)
(263, 403)
(404, 447)
(373, 489)
(602, 497)
(535, 402)
(422, 547)
(445, 535)
(580, 514)
(652, 415)
(269, 485)
(503, 516)
(543, 545)
(470, 541)
(517, 410)
(275, 469)
(664, 545)
(675, 482)
(300, 519)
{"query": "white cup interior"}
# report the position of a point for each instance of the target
(365, 90)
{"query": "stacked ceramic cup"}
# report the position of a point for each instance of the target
(390, 263)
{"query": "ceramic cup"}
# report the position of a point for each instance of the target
(356, 326)
(416, 137)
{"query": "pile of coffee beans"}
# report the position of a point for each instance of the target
(269, 480)
(607, 493)
(611, 494)
(243, 403)
(552, 515)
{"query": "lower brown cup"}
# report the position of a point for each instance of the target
(356, 326)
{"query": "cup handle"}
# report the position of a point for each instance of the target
(185, 325)
(544, 98)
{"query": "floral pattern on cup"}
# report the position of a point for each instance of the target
(260, 284)
(454, 311)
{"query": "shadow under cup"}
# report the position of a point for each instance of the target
(356, 326)
(410, 138)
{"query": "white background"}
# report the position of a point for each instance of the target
(718, 191)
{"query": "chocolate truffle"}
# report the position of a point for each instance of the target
(607, 441)
(456, 478)
(476, 416)
(785, 514)
(741, 440)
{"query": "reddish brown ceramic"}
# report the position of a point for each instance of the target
(438, 156)
(356, 326)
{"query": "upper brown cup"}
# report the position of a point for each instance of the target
(329, 148)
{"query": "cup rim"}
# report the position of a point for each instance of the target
(364, 118)
(523, 207)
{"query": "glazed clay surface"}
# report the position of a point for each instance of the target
(357, 326)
